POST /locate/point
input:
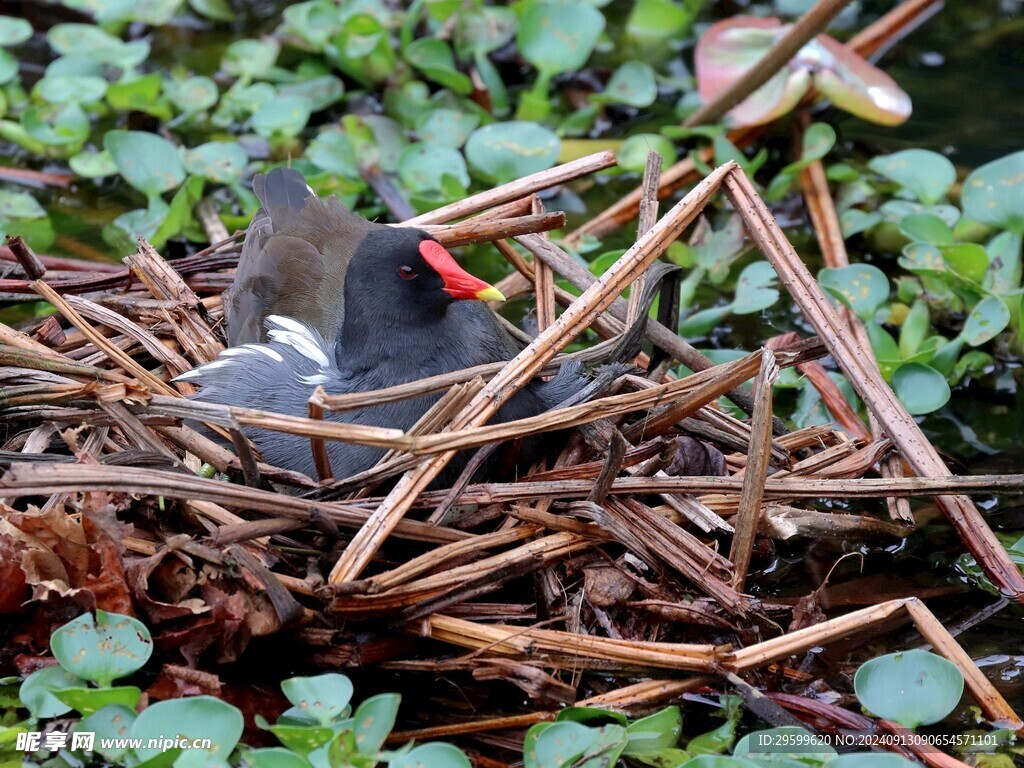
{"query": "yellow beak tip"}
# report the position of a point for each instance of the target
(490, 293)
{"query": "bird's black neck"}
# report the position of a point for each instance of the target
(382, 335)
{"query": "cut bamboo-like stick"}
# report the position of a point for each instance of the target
(514, 190)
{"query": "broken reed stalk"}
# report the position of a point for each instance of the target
(968, 522)
(36, 479)
(524, 366)
(516, 189)
(648, 218)
(822, 210)
(749, 514)
(487, 230)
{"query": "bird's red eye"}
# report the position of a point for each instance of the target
(407, 273)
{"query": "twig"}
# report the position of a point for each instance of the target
(33, 267)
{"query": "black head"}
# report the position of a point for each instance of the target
(404, 275)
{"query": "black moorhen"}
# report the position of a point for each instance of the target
(322, 296)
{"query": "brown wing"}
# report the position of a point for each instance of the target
(293, 259)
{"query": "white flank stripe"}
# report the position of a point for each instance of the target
(272, 354)
(287, 324)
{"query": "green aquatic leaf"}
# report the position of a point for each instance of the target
(37, 692)
(14, 31)
(502, 152)
(436, 755)
(197, 717)
(633, 153)
(148, 162)
(912, 687)
(286, 116)
(219, 161)
(93, 165)
(102, 648)
(631, 84)
(193, 94)
(19, 205)
(249, 59)
(994, 193)
(925, 174)
(921, 389)
(422, 167)
(861, 287)
(89, 40)
(987, 319)
(557, 38)
(434, 59)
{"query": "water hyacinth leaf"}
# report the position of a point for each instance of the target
(928, 228)
(434, 59)
(373, 721)
(91, 700)
(93, 165)
(218, 161)
(178, 216)
(502, 152)
(300, 738)
(853, 85)
(1005, 258)
(388, 138)
(436, 755)
(217, 10)
(14, 31)
(8, 66)
(987, 319)
(112, 722)
(320, 699)
(332, 151)
(921, 389)
(855, 221)
(573, 743)
(196, 717)
(275, 757)
(250, 58)
(633, 153)
(651, 22)
(593, 715)
(193, 94)
(969, 260)
(926, 175)
(19, 205)
(446, 127)
(89, 40)
(896, 210)
(479, 31)
(148, 162)
(58, 125)
(422, 167)
(914, 329)
(36, 692)
(313, 21)
(818, 140)
(559, 38)
(703, 322)
(140, 94)
(861, 287)
(994, 193)
(320, 92)
(102, 648)
(913, 687)
(657, 731)
(362, 49)
(754, 291)
(285, 116)
(631, 84)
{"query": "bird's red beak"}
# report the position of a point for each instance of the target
(457, 281)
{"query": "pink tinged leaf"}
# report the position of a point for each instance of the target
(854, 85)
(731, 47)
(772, 100)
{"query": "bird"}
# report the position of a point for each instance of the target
(323, 297)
